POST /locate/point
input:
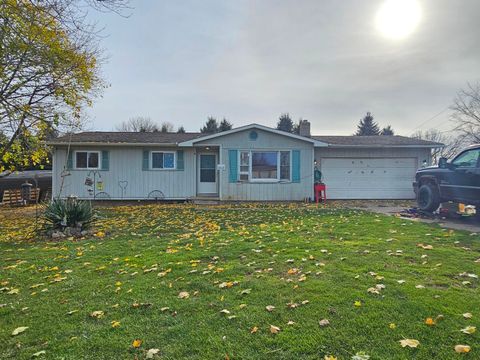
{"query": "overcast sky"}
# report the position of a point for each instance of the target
(249, 61)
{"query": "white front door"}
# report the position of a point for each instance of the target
(207, 174)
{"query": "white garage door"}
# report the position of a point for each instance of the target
(372, 178)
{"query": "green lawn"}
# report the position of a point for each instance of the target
(233, 261)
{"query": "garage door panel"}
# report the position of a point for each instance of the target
(379, 178)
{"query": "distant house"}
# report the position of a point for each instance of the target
(252, 162)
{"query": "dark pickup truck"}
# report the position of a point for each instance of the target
(457, 180)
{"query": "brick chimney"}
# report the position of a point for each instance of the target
(304, 128)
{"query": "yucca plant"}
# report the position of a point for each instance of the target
(61, 213)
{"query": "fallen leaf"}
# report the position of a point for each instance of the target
(97, 314)
(270, 308)
(410, 343)
(324, 322)
(357, 303)
(136, 343)
(115, 324)
(392, 326)
(462, 349)
(274, 329)
(151, 353)
(429, 321)
(467, 315)
(183, 295)
(469, 330)
(19, 330)
(37, 354)
(253, 330)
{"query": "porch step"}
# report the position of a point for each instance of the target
(205, 200)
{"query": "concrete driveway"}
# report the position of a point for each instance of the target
(396, 207)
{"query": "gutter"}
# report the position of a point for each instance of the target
(109, 144)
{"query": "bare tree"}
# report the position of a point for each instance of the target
(138, 124)
(453, 142)
(466, 112)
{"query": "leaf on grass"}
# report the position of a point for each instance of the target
(72, 312)
(253, 330)
(360, 356)
(412, 343)
(151, 353)
(467, 315)
(274, 329)
(430, 321)
(115, 324)
(136, 343)
(270, 308)
(225, 311)
(357, 303)
(462, 349)
(19, 330)
(183, 295)
(37, 354)
(97, 314)
(245, 292)
(324, 322)
(469, 330)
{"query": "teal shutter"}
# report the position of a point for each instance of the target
(145, 161)
(233, 165)
(180, 164)
(295, 166)
(105, 160)
(70, 160)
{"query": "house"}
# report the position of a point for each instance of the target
(251, 162)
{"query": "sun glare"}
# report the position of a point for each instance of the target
(397, 19)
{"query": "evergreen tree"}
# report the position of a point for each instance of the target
(210, 127)
(367, 126)
(181, 130)
(225, 125)
(387, 131)
(285, 123)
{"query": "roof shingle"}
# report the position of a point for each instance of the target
(91, 137)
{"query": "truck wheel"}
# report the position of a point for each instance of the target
(428, 198)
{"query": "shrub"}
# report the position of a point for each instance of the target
(61, 213)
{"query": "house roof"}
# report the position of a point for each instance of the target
(117, 137)
(255, 126)
(376, 141)
(190, 138)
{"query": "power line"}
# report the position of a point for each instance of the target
(430, 119)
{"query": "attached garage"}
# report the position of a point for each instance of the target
(369, 178)
(371, 167)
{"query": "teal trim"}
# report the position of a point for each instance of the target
(180, 163)
(105, 160)
(296, 166)
(233, 165)
(70, 160)
(145, 160)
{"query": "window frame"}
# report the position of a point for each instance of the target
(88, 152)
(476, 165)
(150, 158)
(267, 180)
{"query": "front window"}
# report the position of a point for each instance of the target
(163, 160)
(264, 166)
(87, 159)
(468, 159)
